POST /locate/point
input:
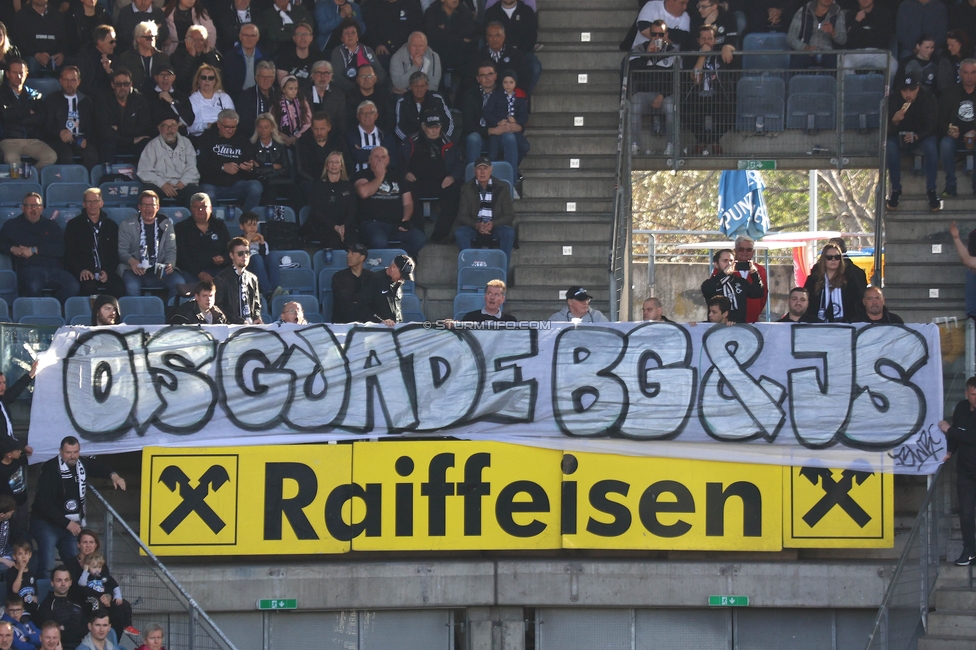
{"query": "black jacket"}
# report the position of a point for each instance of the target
(391, 23)
(333, 104)
(234, 69)
(132, 120)
(333, 204)
(181, 107)
(736, 288)
(21, 116)
(311, 157)
(125, 26)
(131, 61)
(229, 295)
(962, 437)
(50, 496)
(351, 296)
(185, 66)
(56, 117)
(384, 298)
(920, 118)
(79, 243)
(251, 103)
(189, 314)
(195, 250)
(408, 115)
(267, 157)
(36, 33)
(521, 30)
(95, 82)
(72, 617)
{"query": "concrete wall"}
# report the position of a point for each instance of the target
(678, 287)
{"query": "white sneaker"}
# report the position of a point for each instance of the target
(669, 149)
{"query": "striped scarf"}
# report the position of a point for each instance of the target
(484, 209)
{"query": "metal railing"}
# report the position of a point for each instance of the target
(761, 107)
(903, 615)
(154, 593)
(621, 216)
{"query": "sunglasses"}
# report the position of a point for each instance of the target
(122, 84)
(657, 33)
(208, 78)
(832, 258)
(744, 250)
(242, 253)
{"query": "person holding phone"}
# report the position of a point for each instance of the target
(744, 252)
(726, 281)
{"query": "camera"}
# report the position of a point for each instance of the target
(742, 266)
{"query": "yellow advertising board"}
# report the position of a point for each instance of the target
(470, 495)
(833, 508)
(631, 502)
(244, 500)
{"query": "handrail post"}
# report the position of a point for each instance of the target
(192, 636)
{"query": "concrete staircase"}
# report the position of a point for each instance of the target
(952, 626)
(541, 266)
(920, 283)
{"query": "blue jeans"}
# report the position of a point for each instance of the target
(514, 146)
(930, 160)
(267, 274)
(134, 284)
(377, 234)
(35, 279)
(48, 537)
(247, 191)
(948, 147)
(464, 237)
(473, 145)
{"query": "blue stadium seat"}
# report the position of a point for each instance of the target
(338, 260)
(175, 213)
(144, 319)
(36, 307)
(41, 321)
(411, 309)
(863, 94)
(325, 282)
(310, 305)
(465, 302)
(144, 305)
(481, 257)
(297, 281)
(812, 102)
(764, 63)
(759, 104)
(299, 257)
(6, 264)
(65, 195)
(12, 193)
(118, 215)
(64, 174)
(303, 213)
(4, 311)
(8, 212)
(325, 307)
(60, 214)
(77, 306)
(474, 278)
(43, 85)
(8, 286)
(99, 170)
(79, 319)
(121, 193)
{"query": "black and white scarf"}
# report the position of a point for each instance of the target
(245, 306)
(484, 208)
(484, 102)
(73, 510)
(96, 229)
(149, 255)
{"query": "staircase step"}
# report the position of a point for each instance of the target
(583, 19)
(552, 253)
(543, 230)
(565, 120)
(605, 164)
(563, 184)
(584, 206)
(929, 642)
(955, 598)
(554, 58)
(582, 141)
(935, 275)
(535, 275)
(575, 103)
(953, 623)
(597, 81)
(599, 37)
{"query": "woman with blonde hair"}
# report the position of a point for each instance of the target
(207, 99)
(332, 221)
(271, 154)
(8, 50)
(832, 298)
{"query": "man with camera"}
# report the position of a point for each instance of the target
(727, 281)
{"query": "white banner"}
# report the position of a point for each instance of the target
(827, 395)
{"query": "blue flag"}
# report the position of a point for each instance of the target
(741, 206)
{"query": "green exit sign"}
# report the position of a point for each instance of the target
(728, 601)
(278, 603)
(756, 165)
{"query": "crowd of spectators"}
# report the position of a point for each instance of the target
(246, 101)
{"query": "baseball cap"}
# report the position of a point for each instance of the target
(165, 68)
(8, 444)
(406, 266)
(358, 248)
(432, 120)
(577, 293)
(909, 81)
(482, 161)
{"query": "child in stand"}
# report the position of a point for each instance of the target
(259, 264)
(26, 635)
(20, 579)
(293, 112)
(7, 509)
(13, 481)
(508, 111)
(96, 584)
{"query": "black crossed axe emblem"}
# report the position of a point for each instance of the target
(193, 498)
(836, 493)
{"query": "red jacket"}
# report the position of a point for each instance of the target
(755, 306)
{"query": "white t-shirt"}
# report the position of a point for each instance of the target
(654, 10)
